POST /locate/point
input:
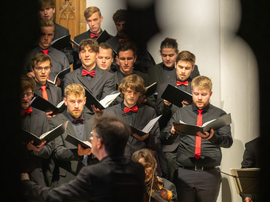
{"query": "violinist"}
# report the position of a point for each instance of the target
(158, 189)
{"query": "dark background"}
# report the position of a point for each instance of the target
(19, 30)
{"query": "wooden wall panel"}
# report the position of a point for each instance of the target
(69, 13)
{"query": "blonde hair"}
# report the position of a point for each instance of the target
(90, 11)
(75, 89)
(134, 82)
(47, 23)
(202, 82)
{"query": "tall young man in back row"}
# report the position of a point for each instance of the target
(46, 12)
(198, 177)
(94, 19)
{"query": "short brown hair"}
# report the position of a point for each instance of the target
(125, 46)
(93, 44)
(27, 82)
(186, 56)
(134, 82)
(90, 11)
(46, 23)
(120, 16)
(148, 157)
(106, 46)
(40, 58)
(75, 89)
(202, 82)
(44, 3)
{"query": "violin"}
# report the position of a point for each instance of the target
(158, 193)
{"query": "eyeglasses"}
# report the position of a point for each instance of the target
(92, 135)
(42, 68)
(27, 94)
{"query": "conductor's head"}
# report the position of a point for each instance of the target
(110, 137)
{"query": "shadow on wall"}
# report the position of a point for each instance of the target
(226, 192)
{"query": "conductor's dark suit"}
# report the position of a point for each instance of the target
(68, 162)
(143, 116)
(36, 123)
(113, 179)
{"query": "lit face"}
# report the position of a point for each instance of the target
(183, 69)
(47, 12)
(26, 98)
(75, 104)
(47, 34)
(120, 29)
(88, 57)
(131, 97)
(201, 97)
(94, 22)
(104, 59)
(147, 169)
(42, 71)
(168, 56)
(126, 60)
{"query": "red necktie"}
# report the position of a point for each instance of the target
(94, 35)
(78, 120)
(27, 111)
(198, 139)
(45, 52)
(91, 73)
(133, 109)
(179, 83)
(44, 92)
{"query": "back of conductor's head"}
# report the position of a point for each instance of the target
(113, 133)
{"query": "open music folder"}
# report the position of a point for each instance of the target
(102, 104)
(75, 141)
(193, 129)
(48, 136)
(46, 106)
(176, 96)
(147, 128)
